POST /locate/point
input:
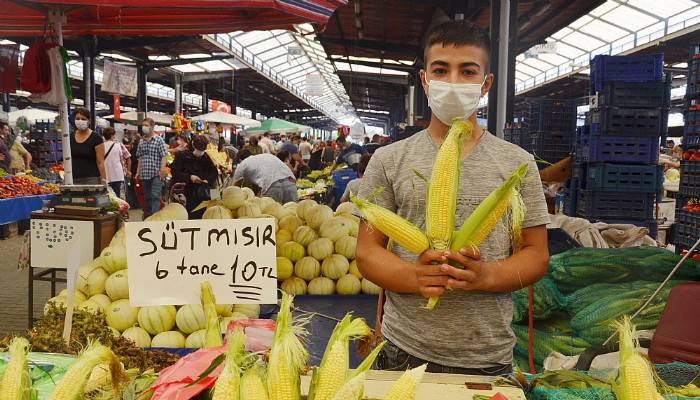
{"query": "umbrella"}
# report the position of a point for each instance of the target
(162, 17)
(131, 116)
(226, 119)
(276, 125)
(32, 115)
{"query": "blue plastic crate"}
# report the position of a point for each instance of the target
(691, 132)
(552, 146)
(570, 199)
(537, 115)
(686, 235)
(618, 149)
(638, 68)
(594, 204)
(690, 178)
(341, 178)
(635, 94)
(623, 121)
(693, 88)
(519, 136)
(622, 178)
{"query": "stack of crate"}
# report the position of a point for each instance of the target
(543, 127)
(45, 144)
(688, 203)
(616, 177)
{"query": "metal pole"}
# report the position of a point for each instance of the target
(493, 64)
(6, 102)
(178, 93)
(57, 19)
(502, 68)
(411, 105)
(512, 53)
(205, 99)
(142, 89)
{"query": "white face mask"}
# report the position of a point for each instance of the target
(198, 153)
(81, 124)
(146, 130)
(453, 100)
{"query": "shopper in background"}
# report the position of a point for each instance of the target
(292, 147)
(315, 161)
(87, 152)
(349, 153)
(117, 160)
(5, 156)
(131, 143)
(21, 159)
(197, 171)
(272, 176)
(365, 142)
(372, 146)
(281, 142)
(267, 144)
(353, 187)
(305, 149)
(253, 147)
(178, 143)
(151, 166)
(328, 155)
(287, 160)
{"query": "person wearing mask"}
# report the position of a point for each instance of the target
(478, 310)
(305, 149)
(315, 162)
(197, 171)
(286, 159)
(117, 160)
(350, 153)
(87, 152)
(372, 146)
(253, 147)
(5, 156)
(353, 187)
(269, 173)
(151, 169)
(178, 143)
(267, 144)
(281, 142)
(292, 147)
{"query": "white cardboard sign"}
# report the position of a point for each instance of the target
(169, 259)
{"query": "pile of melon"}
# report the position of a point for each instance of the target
(102, 285)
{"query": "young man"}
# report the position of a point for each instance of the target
(469, 330)
(292, 147)
(151, 169)
(305, 149)
(267, 172)
(350, 153)
(267, 144)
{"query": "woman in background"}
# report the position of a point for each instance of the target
(197, 171)
(117, 157)
(87, 152)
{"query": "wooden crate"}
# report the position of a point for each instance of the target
(433, 386)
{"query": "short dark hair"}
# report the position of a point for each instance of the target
(283, 155)
(150, 121)
(108, 132)
(266, 134)
(3, 125)
(341, 139)
(458, 33)
(243, 154)
(82, 111)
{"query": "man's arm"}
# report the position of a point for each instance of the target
(298, 158)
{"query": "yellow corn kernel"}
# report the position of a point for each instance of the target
(287, 356)
(252, 385)
(398, 229)
(635, 376)
(212, 336)
(228, 385)
(441, 203)
(353, 389)
(405, 387)
(16, 383)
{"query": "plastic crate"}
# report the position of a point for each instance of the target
(693, 88)
(340, 181)
(690, 178)
(691, 132)
(518, 136)
(618, 149)
(537, 115)
(623, 121)
(570, 198)
(606, 204)
(552, 146)
(686, 235)
(622, 178)
(635, 94)
(641, 68)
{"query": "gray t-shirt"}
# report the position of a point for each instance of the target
(466, 329)
(263, 170)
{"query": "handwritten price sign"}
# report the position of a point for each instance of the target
(168, 261)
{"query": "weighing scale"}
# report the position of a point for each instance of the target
(81, 199)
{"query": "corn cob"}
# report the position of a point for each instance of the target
(481, 222)
(228, 385)
(353, 389)
(333, 371)
(401, 231)
(16, 383)
(441, 204)
(287, 356)
(405, 387)
(212, 336)
(253, 385)
(635, 376)
(73, 382)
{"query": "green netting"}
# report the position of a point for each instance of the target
(678, 373)
(545, 343)
(546, 300)
(570, 394)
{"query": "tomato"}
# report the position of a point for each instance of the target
(695, 156)
(688, 154)
(696, 256)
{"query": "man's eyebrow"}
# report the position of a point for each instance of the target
(462, 65)
(440, 63)
(469, 64)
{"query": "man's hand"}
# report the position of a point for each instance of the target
(472, 275)
(431, 279)
(163, 174)
(195, 179)
(2, 157)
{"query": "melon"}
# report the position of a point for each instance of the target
(90, 306)
(291, 208)
(317, 215)
(138, 335)
(121, 315)
(169, 339)
(118, 240)
(249, 210)
(117, 285)
(351, 217)
(173, 212)
(320, 248)
(307, 268)
(78, 296)
(115, 333)
(346, 208)
(276, 211)
(354, 229)
(91, 279)
(157, 319)
(348, 284)
(321, 286)
(264, 202)
(249, 193)
(217, 212)
(224, 310)
(57, 301)
(305, 235)
(368, 287)
(354, 270)
(335, 266)
(290, 223)
(285, 268)
(283, 236)
(294, 285)
(293, 251)
(102, 299)
(113, 259)
(233, 197)
(335, 228)
(345, 246)
(234, 317)
(190, 318)
(196, 339)
(252, 311)
(303, 206)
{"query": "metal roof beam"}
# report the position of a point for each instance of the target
(123, 44)
(183, 61)
(203, 76)
(375, 45)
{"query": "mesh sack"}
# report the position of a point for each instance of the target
(545, 343)
(539, 393)
(546, 300)
(678, 373)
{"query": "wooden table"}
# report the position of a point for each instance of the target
(105, 226)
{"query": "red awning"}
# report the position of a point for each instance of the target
(161, 17)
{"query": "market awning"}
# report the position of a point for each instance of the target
(276, 125)
(131, 116)
(226, 119)
(162, 17)
(31, 114)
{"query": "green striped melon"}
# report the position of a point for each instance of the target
(91, 279)
(283, 236)
(346, 208)
(113, 258)
(303, 206)
(345, 246)
(117, 285)
(121, 315)
(285, 268)
(249, 210)
(369, 287)
(190, 318)
(294, 285)
(290, 223)
(335, 266)
(78, 296)
(320, 248)
(233, 197)
(335, 228)
(157, 319)
(195, 340)
(305, 235)
(217, 212)
(90, 306)
(293, 251)
(321, 286)
(169, 339)
(102, 299)
(250, 310)
(354, 270)
(348, 284)
(307, 268)
(138, 335)
(317, 215)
